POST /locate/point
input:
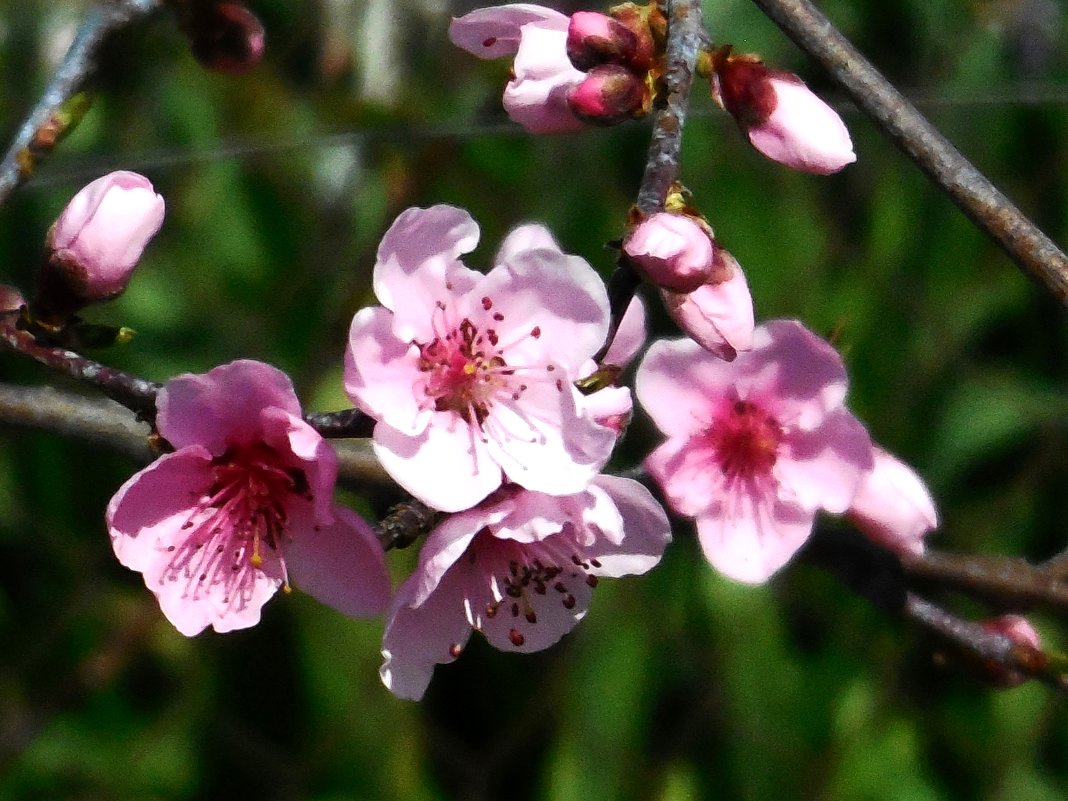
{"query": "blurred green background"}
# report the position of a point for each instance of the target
(678, 685)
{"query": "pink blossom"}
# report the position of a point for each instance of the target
(594, 38)
(98, 239)
(672, 251)
(612, 405)
(520, 568)
(243, 504)
(718, 315)
(470, 376)
(536, 96)
(755, 446)
(783, 118)
(893, 507)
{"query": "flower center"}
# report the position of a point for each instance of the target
(464, 369)
(238, 521)
(745, 441)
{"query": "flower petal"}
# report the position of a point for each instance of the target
(495, 31)
(823, 468)
(645, 530)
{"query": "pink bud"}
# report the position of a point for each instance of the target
(594, 38)
(227, 38)
(672, 251)
(893, 507)
(95, 244)
(609, 95)
(718, 315)
(1021, 632)
(782, 117)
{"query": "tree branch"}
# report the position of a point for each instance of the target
(35, 138)
(968, 188)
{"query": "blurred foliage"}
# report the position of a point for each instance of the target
(679, 685)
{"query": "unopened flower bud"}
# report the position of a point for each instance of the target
(782, 117)
(594, 38)
(609, 95)
(672, 250)
(226, 37)
(718, 315)
(1021, 632)
(96, 242)
(893, 507)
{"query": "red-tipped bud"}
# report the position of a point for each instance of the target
(594, 38)
(782, 117)
(672, 251)
(609, 95)
(637, 19)
(226, 37)
(96, 242)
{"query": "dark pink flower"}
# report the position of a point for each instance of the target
(542, 74)
(755, 446)
(243, 505)
(520, 568)
(97, 241)
(470, 376)
(893, 507)
(783, 118)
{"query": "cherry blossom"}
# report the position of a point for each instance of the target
(520, 568)
(783, 118)
(672, 250)
(893, 507)
(244, 504)
(469, 375)
(755, 446)
(542, 74)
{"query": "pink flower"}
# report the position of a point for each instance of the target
(893, 507)
(470, 375)
(594, 38)
(536, 96)
(520, 568)
(718, 315)
(244, 503)
(608, 95)
(755, 446)
(672, 251)
(783, 118)
(98, 239)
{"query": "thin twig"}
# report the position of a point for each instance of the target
(969, 189)
(986, 646)
(78, 65)
(685, 37)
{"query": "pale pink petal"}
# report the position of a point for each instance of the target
(191, 613)
(447, 467)
(221, 408)
(547, 308)
(543, 442)
(672, 251)
(893, 506)
(341, 565)
(495, 31)
(822, 468)
(447, 543)
(807, 376)
(749, 537)
(611, 407)
(419, 636)
(681, 389)
(645, 530)
(302, 447)
(382, 373)
(147, 513)
(536, 97)
(417, 266)
(525, 237)
(630, 335)
(686, 470)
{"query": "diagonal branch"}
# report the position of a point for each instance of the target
(77, 67)
(968, 188)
